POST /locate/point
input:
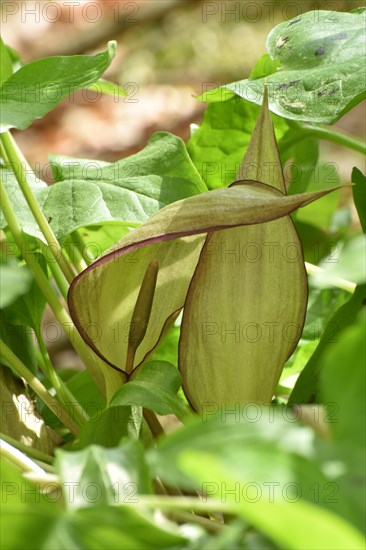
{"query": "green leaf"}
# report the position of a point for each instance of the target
(28, 514)
(105, 87)
(265, 443)
(154, 387)
(107, 427)
(264, 66)
(18, 338)
(28, 309)
(128, 191)
(323, 175)
(306, 389)
(15, 281)
(86, 392)
(110, 527)
(347, 262)
(36, 88)
(6, 69)
(342, 388)
(322, 71)
(288, 525)
(305, 158)
(359, 195)
(116, 476)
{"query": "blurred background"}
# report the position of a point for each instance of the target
(168, 50)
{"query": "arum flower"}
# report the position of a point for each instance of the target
(232, 260)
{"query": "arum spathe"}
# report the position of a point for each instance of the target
(243, 315)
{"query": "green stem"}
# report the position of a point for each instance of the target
(84, 250)
(321, 132)
(30, 451)
(186, 503)
(64, 395)
(77, 252)
(334, 281)
(186, 517)
(91, 361)
(59, 277)
(19, 459)
(17, 163)
(152, 421)
(39, 388)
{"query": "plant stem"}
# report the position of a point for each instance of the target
(93, 363)
(186, 517)
(59, 277)
(155, 427)
(186, 503)
(64, 395)
(19, 167)
(39, 388)
(321, 132)
(77, 252)
(19, 459)
(336, 281)
(83, 248)
(33, 453)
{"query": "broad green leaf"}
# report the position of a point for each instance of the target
(305, 158)
(316, 242)
(85, 391)
(306, 389)
(304, 525)
(116, 476)
(111, 527)
(6, 69)
(15, 281)
(19, 339)
(153, 387)
(24, 512)
(342, 382)
(234, 344)
(322, 71)
(264, 66)
(29, 515)
(267, 442)
(348, 262)
(173, 236)
(128, 191)
(109, 426)
(36, 88)
(28, 309)
(103, 86)
(320, 215)
(359, 195)
(322, 304)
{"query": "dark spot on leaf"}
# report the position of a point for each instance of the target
(294, 21)
(364, 302)
(320, 51)
(327, 92)
(286, 85)
(49, 219)
(339, 36)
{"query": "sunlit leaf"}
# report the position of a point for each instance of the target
(322, 71)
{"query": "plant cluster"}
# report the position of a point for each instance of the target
(180, 277)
